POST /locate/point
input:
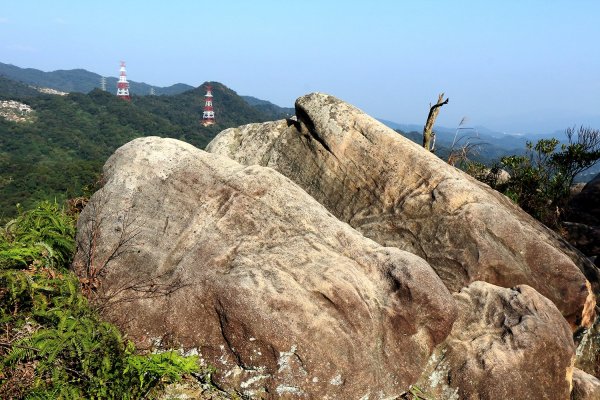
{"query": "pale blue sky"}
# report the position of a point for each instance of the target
(515, 66)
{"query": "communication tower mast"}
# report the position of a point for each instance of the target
(123, 85)
(208, 116)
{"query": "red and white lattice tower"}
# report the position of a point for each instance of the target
(123, 85)
(208, 116)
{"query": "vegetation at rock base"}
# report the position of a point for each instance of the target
(415, 393)
(540, 180)
(52, 343)
(540, 175)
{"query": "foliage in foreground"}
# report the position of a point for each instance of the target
(415, 393)
(52, 344)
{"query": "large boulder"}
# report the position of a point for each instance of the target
(505, 344)
(240, 264)
(398, 194)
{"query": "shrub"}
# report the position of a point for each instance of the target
(540, 180)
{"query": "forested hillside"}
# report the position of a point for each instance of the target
(269, 108)
(70, 137)
(185, 109)
(10, 89)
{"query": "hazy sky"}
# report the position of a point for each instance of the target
(515, 66)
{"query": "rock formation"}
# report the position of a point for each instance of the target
(400, 195)
(505, 344)
(258, 267)
(241, 265)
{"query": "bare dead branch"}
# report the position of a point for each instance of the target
(97, 254)
(431, 117)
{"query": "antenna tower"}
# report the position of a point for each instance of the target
(103, 83)
(208, 116)
(123, 85)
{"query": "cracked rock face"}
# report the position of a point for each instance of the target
(400, 195)
(241, 265)
(505, 344)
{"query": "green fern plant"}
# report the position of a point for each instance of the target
(45, 233)
(46, 324)
(72, 347)
(418, 393)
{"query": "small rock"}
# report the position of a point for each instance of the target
(505, 344)
(585, 386)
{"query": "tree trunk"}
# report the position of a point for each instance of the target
(433, 113)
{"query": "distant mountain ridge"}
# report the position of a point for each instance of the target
(268, 108)
(492, 145)
(81, 80)
(175, 112)
(447, 135)
(84, 81)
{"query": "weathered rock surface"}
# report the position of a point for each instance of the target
(240, 264)
(396, 193)
(505, 344)
(585, 386)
